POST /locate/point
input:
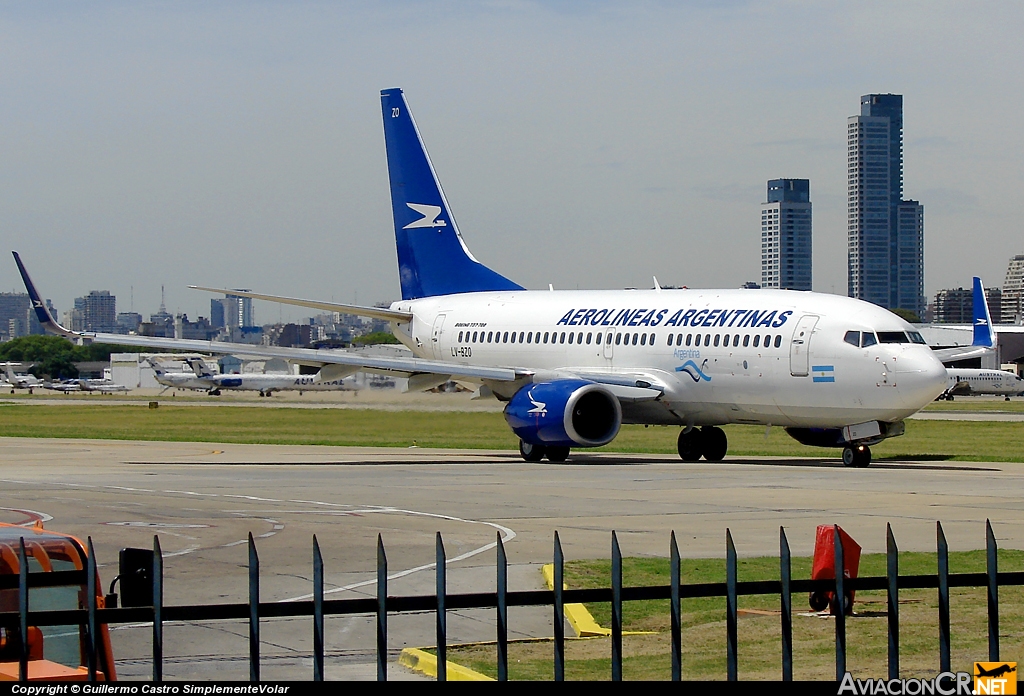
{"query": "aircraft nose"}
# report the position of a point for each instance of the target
(920, 377)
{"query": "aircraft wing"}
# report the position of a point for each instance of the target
(403, 367)
(372, 312)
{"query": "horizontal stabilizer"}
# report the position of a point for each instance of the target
(371, 312)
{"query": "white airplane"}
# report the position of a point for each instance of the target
(266, 384)
(66, 387)
(967, 382)
(179, 380)
(14, 381)
(573, 366)
(103, 386)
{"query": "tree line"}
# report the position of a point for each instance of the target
(55, 356)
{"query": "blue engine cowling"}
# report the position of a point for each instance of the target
(565, 413)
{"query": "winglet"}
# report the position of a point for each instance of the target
(983, 334)
(42, 313)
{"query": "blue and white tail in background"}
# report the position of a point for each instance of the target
(432, 257)
(983, 333)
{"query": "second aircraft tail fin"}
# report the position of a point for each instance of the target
(984, 335)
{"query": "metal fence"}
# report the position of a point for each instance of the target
(90, 618)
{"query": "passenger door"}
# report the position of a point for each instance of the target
(800, 346)
(435, 336)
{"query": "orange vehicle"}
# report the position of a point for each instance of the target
(55, 653)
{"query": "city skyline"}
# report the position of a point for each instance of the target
(216, 145)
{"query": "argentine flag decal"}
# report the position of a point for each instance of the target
(823, 373)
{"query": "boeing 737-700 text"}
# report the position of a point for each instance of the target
(573, 366)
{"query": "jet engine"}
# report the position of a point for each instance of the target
(564, 413)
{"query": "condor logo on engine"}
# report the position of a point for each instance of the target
(539, 407)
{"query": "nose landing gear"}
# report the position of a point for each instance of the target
(858, 456)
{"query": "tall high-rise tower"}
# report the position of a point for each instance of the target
(786, 235)
(885, 233)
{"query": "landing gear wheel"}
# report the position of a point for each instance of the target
(818, 601)
(858, 456)
(30, 391)
(716, 444)
(531, 453)
(690, 445)
(215, 392)
(557, 454)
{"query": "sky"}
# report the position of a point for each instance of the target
(582, 144)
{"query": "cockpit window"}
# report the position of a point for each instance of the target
(892, 337)
(916, 337)
(867, 339)
(853, 338)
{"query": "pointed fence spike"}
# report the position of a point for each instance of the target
(559, 611)
(254, 611)
(839, 602)
(616, 609)
(22, 611)
(892, 572)
(501, 607)
(786, 604)
(158, 610)
(382, 610)
(992, 570)
(442, 615)
(93, 627)
(943, 553)
(731, 608)
(318, 612)
(676, 610)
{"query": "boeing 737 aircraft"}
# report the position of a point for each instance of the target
(573, 366)
(967, 382)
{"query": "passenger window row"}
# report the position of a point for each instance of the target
(626, 339)
(554, 337)
(726, 340)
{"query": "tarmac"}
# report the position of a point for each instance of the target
(203, 499)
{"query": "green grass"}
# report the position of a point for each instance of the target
(759, 648)
(928, 440)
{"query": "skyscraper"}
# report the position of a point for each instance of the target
(98, 311)
(1013, 286)
(885, 233)
(786, 235)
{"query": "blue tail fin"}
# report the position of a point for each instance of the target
(983, 335)
(432, 258)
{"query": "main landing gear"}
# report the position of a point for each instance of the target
(709, 442)
(534, 453)
(856, 456)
